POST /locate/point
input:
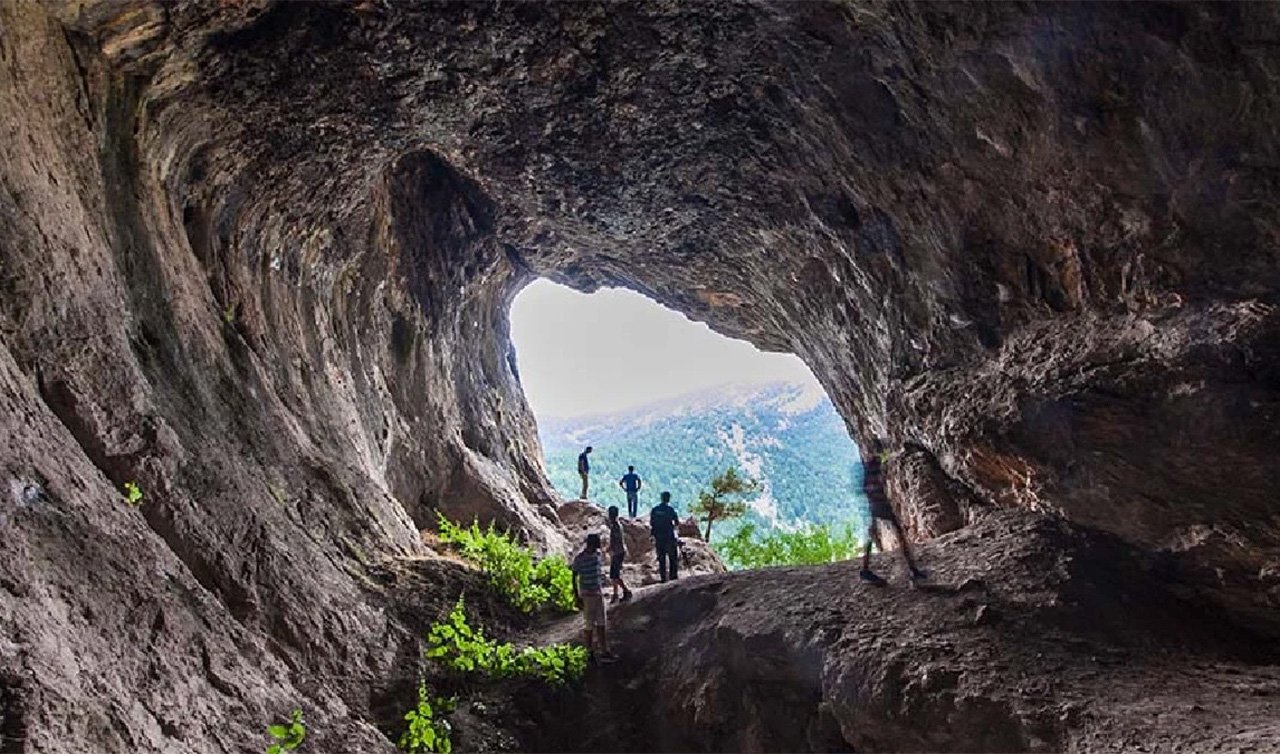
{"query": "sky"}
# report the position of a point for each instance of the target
(615, 349)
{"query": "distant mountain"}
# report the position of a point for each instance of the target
(785, 435)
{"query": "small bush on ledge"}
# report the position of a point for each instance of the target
(463, 648)
(511, 568)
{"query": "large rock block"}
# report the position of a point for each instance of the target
(581, 517)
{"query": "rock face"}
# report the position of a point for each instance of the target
(1032, 635)
(256, 259)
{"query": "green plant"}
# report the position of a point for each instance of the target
(510, 567)
(132, 493)
(287, 737)
(812, 545)
(557, 577)
(723, 501)
(460, 647)
(426, 731)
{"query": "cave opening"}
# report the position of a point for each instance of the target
(646, 386)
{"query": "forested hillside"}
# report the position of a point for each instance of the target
(788, 437)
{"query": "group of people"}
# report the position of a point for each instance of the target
(630, 482)
(663, 522)
(588, 566)
(588, 573)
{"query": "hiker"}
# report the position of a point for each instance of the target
(873, 487)
(584, 468)
(631, 484)
(662, 524)
(617, 553)
(588, 580)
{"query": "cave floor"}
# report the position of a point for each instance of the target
(1031, 636)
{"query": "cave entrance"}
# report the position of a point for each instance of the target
(645, 386)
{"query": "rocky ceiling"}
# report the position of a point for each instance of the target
(257, 259)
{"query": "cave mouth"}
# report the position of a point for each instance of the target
(645, 386)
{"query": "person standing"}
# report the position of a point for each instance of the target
(588, 580)
(617, 554)
(662, 524)
(631, 484)
(881, 511)
(584, 469)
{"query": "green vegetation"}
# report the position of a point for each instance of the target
(812, 545)
(287, 737)
(465, 649)
(724, 499)
(132, 493)
(800, 451)
(428, 731)
(511, 568)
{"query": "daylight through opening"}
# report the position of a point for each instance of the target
(644, 386)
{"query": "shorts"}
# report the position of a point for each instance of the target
(593, 609)
(615, 565)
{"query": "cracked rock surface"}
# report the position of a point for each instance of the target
(256, 259)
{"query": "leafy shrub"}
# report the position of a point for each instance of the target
(463, 648)
(511, 568)
(812, 545)
(287, 737)
(427, 732)
(132, 493)
(557, 576)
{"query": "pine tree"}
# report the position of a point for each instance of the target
(724, 500)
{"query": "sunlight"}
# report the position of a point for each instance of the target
(616, 349)
(647, 387)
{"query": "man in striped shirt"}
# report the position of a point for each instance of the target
(588, 593)
(873, 487)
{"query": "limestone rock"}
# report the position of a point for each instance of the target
(256, 258)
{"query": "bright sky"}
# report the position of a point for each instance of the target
(614, 349)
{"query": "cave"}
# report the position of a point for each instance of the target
(256, 260)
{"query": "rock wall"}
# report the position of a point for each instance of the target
(257, 259)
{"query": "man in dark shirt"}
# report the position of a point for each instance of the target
(878, 498)
(662, 524)
(584, 468)
(631, 484)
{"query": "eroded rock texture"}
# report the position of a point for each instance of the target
(257, 258)
(1035, 635)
